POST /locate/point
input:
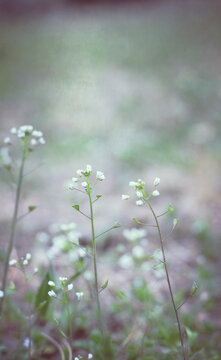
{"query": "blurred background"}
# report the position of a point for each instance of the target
(132, 88)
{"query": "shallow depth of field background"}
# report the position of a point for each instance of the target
(135, 91)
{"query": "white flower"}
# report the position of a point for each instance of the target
(70, 287)
(100, 176)
(2, 294)
(35, 270)
(156, 181)
(42, 237)
(21, 134)
(139, 194)
(141, 182)
(76, 358)
(88, 168)
(51, 293)
(27, 129)
(42, 141)
(12, 262)
(134, 234)
(28, 256)
(25, 262)
(79, 172)
(125, 197)
(133, 184)
(84, 184)
(139, 202)
(51, 283)
(126, 261)
(155, 193)
(63, 280)
(74, 179)
(7, 141)
(79, 295)
(27, 342)
(13, 131)
(33, 142)
(90, 356)
(138, 252)
(37, 134)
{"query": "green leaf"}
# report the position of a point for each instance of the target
(136, 221)
(158, 266)
(42, 300)
(175, 223)
(31, 208)
(98, 196)
(194, 288)
(76, 207)
(116, 225)
(105, 285)
(170, 208)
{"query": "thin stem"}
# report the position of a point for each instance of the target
(167, 277)
(13, 225)
(68, 312)
(55, 343)
(95, 260)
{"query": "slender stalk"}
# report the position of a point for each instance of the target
(55, 343)
(168, 278)
(68, 312)
(95, 260)
(14, 221)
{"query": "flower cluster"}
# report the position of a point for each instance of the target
(24, 260)
(85, 173)
(138, 187)
(79, 357)
(35, 136)
(63, 285)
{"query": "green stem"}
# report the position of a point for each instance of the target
(95, 260)
(13, 225)
(68, 312)
(168, 278)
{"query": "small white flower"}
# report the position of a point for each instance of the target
(27, 129)
(51, 293)
(27, 342)
(51, 283)
(74, 179)
(133, 184)
(100, 176)
(125, 197)
(33, 142)
(126, 261)
(76, 358)
(139, 194)
(25, 262)
(28, 256)
(12, 262)
(63, 280)
(2, 294)
(70, 287)
(138, 252)
(88, 168)
(79, 172)
(42, 141)
(139, 202)
(7, 141)
(79, 295)
(155, 193)
(13, 131)
(35, 270)
(90, 356)
(84, 184)
(134, 234)
(21, 134)
(156, 181)
(37, 134)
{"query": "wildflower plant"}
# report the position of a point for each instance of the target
(145, 198)
(29, 138)
(87, 184)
